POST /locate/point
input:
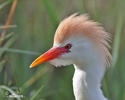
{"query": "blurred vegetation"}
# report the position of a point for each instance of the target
(27, 28)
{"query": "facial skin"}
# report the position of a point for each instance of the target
(63, 59)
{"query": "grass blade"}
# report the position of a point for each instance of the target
(51, 11)
(5, 4)
(37, 93)
(11, 50)
(8, 44)
(116, 43)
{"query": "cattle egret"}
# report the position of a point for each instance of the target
(83, 43)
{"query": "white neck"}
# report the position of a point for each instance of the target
(87, 82)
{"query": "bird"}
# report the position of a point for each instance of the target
(85, 44)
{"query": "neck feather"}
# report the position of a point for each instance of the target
(87, 82)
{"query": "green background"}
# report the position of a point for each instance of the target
(36, 22)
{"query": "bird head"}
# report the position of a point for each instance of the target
(77, 40)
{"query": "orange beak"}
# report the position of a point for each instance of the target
(49, 55)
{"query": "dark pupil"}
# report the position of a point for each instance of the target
(68, 46)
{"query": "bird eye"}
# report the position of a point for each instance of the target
(68, 46)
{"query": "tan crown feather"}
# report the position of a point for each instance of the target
(81, 25)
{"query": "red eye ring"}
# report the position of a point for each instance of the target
(68, 46)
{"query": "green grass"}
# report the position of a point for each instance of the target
(36, 21)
